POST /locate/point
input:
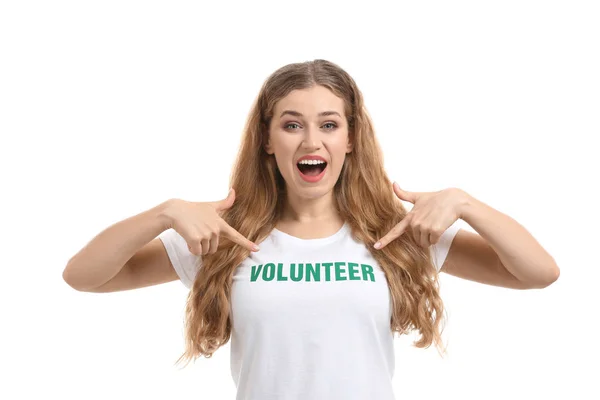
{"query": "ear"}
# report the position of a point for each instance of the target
(268, 148)
(349, 147)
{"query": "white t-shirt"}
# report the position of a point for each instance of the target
(310, 317)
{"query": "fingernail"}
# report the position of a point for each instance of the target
(255, 248)
(377, 245)
(396, 185)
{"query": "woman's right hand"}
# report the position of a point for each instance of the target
(200, 224)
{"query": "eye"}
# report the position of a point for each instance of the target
(328, 123)
(286, 126)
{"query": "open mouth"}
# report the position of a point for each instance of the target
(311, 170)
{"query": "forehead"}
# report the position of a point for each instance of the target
(310, 102)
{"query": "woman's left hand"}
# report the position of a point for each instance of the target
(431, 215)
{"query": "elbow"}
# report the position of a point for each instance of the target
(67, 276)
(553, 275)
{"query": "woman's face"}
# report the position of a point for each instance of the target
(297, 129)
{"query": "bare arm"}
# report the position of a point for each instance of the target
(106, 255)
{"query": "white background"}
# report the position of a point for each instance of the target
(109, 108)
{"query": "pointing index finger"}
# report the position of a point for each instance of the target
(239, 238)
(392, 234)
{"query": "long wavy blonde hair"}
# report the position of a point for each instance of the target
(362, 195)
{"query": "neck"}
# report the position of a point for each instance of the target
(306, 210)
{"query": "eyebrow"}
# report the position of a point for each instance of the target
(297, 114)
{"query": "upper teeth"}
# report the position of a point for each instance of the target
(311, 162)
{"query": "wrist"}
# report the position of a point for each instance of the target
(163, 213)
(464, 204)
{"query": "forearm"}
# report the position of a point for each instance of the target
(518, 250)
(106, 254)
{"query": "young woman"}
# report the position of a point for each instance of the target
(312, 313)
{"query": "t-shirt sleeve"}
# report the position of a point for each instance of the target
(440, 250)
(186, 263)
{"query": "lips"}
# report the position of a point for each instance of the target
(312, 178)
(311, 157)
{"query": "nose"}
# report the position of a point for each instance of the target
(311, 139)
